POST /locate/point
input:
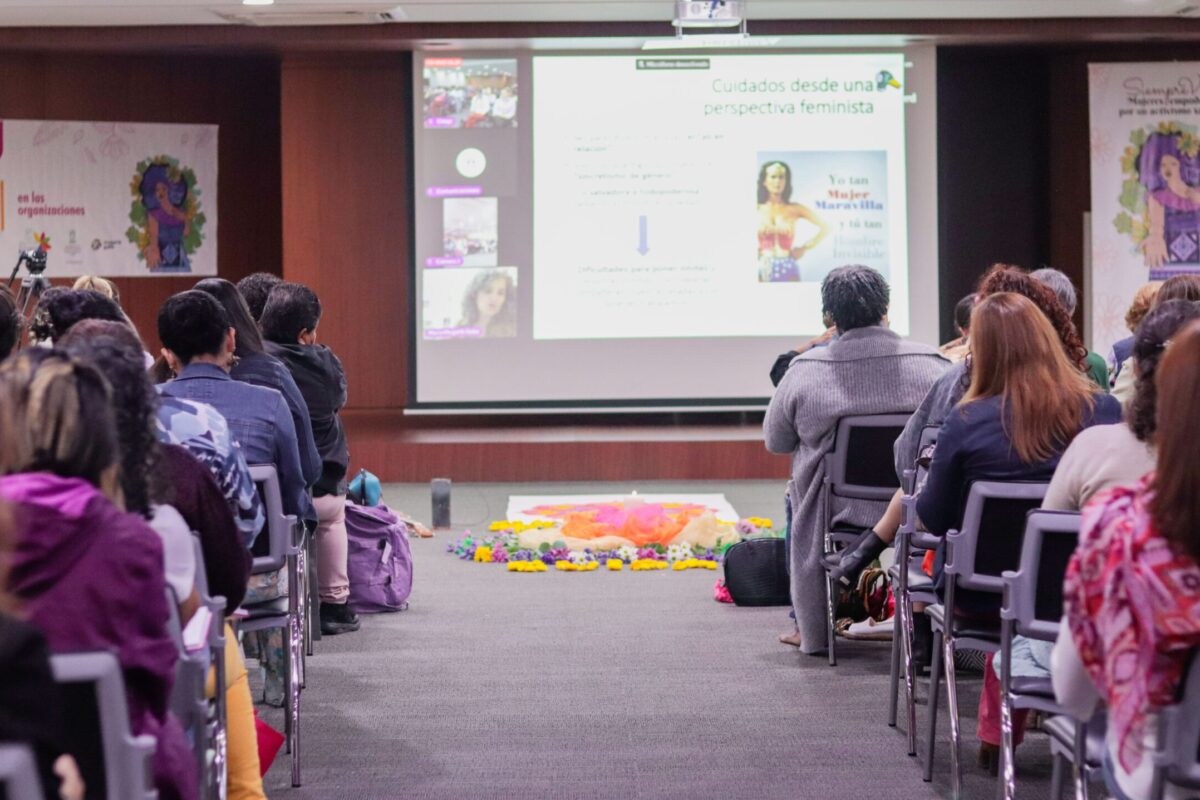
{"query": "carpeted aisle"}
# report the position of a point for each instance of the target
(599, 685)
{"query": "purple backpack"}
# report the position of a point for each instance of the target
(380, 559)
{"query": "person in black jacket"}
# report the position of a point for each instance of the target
(289, 324)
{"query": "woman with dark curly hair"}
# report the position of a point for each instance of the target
(1118, 455)
(143, 488)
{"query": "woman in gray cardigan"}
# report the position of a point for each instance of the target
(867, 370)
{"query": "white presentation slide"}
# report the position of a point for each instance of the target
(708, 196)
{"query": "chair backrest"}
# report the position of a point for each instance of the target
(109, 755)
(279, 527)
(18, 773)
(1177, 756)
(988, 543)
(861, 465)
(1034, 592)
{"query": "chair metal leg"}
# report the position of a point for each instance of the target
(935, 680)
(1079, 767)
(295, 645)
(952, 701)
(1007, 767)
(831, 636)
(894, 674)
(302, 606)
(288, 721)
(1056, 779)
(910, 677)
(220, 765)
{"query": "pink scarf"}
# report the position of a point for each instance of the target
(1133, 607)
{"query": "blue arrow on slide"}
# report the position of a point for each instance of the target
(643, 247)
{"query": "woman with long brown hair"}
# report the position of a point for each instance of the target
(1132, 592)
(1026, 401)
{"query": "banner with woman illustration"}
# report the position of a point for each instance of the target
(117, 199)
(1145, 155)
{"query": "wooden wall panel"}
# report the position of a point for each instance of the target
(239, 93)
(346, 212)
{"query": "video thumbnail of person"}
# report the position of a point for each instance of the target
(470, 93)
(470, 230)
(469, 303)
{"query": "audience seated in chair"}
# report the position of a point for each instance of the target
(254, 365)
(957, 349)
(199, 342)
(1179, 287)
(254, 288)
(1026, 402)
(868, 369)
(1095, 366)
(943, 397)
(31, 708)
(1122, 350)
(196, 501)
(60, 308)
(12, 325)
(1106, 456)
(289, 323)
(78, 550)
(1132, 592)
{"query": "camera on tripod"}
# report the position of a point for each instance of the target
(34, 283)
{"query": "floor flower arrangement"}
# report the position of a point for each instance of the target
(502, 545)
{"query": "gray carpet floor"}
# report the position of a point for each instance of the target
(603, 685)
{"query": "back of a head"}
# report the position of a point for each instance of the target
(249, 340)
(1179, 287)
(1143, 301)
(1149, 343)
(94, 283)
(855, 297)
(1016, 355)
(1009, 278)
(1061, 285)
(113, 349)
(11, 323)
(1175, 508)
(292, 309)
(58, 310)
(191, 324)
(55, 416)
(962, 312)
(255, 288)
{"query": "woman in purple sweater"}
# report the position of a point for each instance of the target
(87, 574)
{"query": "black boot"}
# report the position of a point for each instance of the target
(337, 618)
(855, 558)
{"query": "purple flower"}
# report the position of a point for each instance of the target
(745, 528)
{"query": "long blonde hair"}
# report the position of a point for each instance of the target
(1017, 356)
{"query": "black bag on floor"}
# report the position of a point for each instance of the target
(756, 573)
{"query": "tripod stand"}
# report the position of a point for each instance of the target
(30, 292)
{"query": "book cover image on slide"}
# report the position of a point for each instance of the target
(819, 210)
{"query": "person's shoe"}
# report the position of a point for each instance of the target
(338, 618)
(855, 558)
(989, 757)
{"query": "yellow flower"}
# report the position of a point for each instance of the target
(498, 525)
(483, 555)
(707, 564)
(615, 564)
(679, 565)
(526, 566)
